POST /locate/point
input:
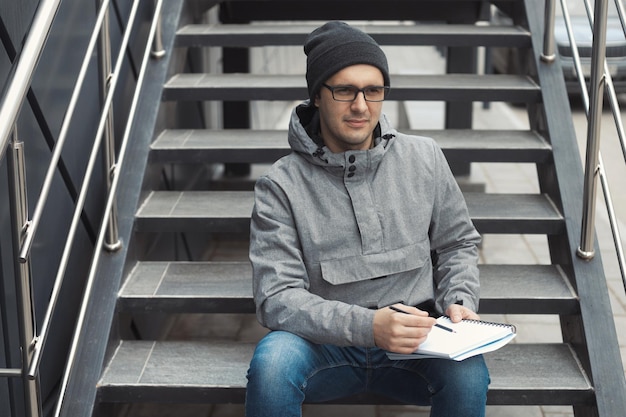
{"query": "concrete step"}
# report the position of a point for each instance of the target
(258, 146)
(294, 34)
(226, 287)
(215, 372)
(230, 211)
(443, 87)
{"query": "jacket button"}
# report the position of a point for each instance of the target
(350, 175)
(351, 159)
(352, 168)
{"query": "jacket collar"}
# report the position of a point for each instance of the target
(305, 140)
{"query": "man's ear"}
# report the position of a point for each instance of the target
(316, 101)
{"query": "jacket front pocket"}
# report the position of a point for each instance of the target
(366, 267)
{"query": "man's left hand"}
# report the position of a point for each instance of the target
(457, 313)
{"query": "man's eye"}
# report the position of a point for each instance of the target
(374, 90)
(344, 91)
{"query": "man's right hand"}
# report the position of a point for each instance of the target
(400, 332)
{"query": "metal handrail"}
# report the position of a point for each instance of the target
(18, 85)
(610, 87)
(620, 14)
(23, 69)
(58, 148)
(157, 52)
(25, 250)
(595, 163)
(45, 191)
(612, 95)
(596, 88)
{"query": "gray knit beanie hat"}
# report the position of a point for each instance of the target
(337, 45)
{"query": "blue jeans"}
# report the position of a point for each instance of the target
(286, 370)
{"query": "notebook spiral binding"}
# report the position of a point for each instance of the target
(491, 323)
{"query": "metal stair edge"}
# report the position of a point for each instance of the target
(230, 211)
(241, 145)
(255, 35)
(226, 287)
(437, 87)
(214, 372)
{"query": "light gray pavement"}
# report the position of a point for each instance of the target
(496, 248)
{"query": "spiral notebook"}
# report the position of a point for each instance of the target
(458, 341)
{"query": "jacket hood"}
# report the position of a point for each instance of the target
(305, 140)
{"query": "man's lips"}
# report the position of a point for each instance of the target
(357, 122)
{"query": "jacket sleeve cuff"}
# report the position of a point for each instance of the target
(363, 333)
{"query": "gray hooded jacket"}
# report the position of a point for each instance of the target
(335, 236)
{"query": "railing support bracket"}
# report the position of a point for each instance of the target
(586, 255)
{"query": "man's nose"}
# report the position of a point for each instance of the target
(360, 102)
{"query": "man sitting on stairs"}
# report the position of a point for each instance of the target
(359, 217)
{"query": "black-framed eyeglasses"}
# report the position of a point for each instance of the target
(350, 92)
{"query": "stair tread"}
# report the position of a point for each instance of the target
(226, 287)
(188, 287)
(224, 211)
(438, 87)
(215, 372)
(241, 145)
(250, 35)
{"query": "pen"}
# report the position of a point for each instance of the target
(441, 326)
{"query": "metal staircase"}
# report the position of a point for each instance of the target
(161, 280)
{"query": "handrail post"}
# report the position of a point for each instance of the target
(548, 55)
(586, 249)
(26, 317)
(112, 241)
(158, 51)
